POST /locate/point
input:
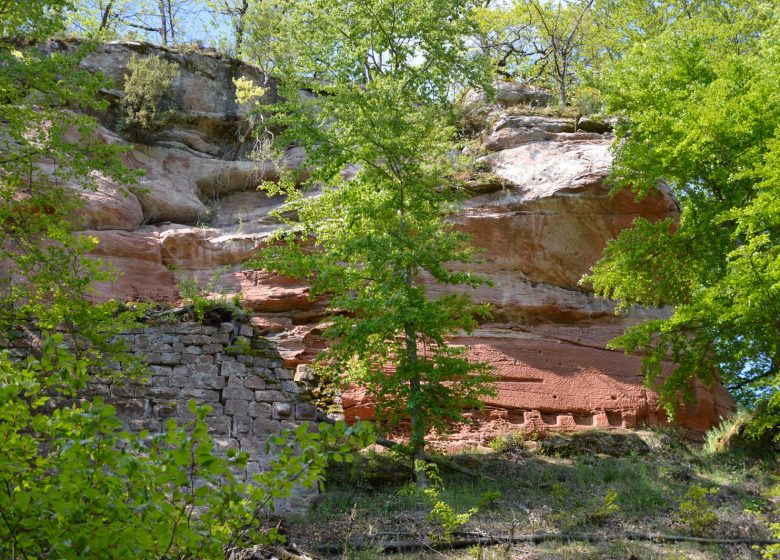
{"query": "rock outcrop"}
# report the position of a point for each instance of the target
(541, 213)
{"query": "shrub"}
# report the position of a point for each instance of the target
(696, 512)
(74, 485)
(147, 106)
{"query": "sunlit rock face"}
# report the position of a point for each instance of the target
(541, 214)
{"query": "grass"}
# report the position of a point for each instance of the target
(580, 491)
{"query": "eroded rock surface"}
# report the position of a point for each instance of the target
(541, 213)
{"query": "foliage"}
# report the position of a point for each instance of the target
(716, 438)
(695, 511)
(73, 484)
(384, 72)
(147, 106)
(100, 492)
(699, 111)
(208, 305)
(441, 512)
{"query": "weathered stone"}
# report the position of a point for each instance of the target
(304, 372)
(270, 396)
(282, 410)
(218, 426)
(163, 392)
(254, 382)
(242, 425)
(262, 427)
(259, 410)
(205, 395)
(234, 392)
(232, 368)
(207, 381)
(205, 369)
(236, 407)
(305, 411)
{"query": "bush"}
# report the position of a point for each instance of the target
(147, 106)
(696, 512)
(73, 484)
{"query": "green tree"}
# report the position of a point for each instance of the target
(699, 110)
(378, 139)
(73, 484)
(147, 106)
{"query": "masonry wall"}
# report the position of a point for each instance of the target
(228, 367)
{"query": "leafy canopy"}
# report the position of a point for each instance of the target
(73, 483)
(378, 142)
(699, 109)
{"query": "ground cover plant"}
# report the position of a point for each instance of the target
(671, 488)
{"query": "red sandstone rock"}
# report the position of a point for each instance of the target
(539, 234)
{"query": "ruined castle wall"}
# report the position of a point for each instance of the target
(229, 367)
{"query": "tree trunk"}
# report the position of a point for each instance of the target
(163, 23)
(238, 26)
(106, 16)
(417, 436)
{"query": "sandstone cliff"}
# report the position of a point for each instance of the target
(540, 211)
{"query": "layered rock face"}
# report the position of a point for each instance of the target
(541, 214)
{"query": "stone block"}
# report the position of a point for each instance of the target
(234, 392)
(130, 407)
(304, 372)
(284, 373)
(245, 359)
(305, 411)
(242, 425)
(212, 348)
(247, 331)
(263, 363)
(226, 328)
(201, 339)
(291, 387)
(218, 426)
(169, 358)
(232, 368)
(187, 328)
(282, 410)
(209, 329)
(161, 392)
(98, 389)
(207, 369)
(192, 350)
(139, 424)
(179, 380)
(259, 410)
(262, 427)
(166, 409)
(270, 396)
(235, 381)
(207, 381)
(223, 444)
(236, 407)
(205, 395)
(160, 347)
(220, 338)
(177, 347)
(125, 390)
(160, 370)
(253, 382)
